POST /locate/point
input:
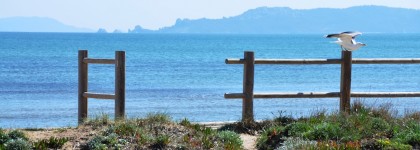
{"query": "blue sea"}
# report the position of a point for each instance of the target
(185, 75)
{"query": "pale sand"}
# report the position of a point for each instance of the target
(249, 141)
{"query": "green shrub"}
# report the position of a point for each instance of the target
(283, 119)
(158, 118)
(125, 129)
(297, 129)
(387, 144)
(185, 122)
(141, 137)
(52, 142)
(411, 115)
(3, 137)
(17, 144)
(409, 134)
(412, 139)
(16, 134)
(380, 124)
(384, 111)
(230, 139)
(324, 131)
(297, 143)
(106, 142)
(271, 138)
(208, 138)
(100, 120)
(160, 142)
(96, 143)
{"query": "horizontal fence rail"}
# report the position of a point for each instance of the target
(99, 95)
(328, 61)
(345, 93)
(99, 61)
(323, 94)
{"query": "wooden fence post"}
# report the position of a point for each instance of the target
(345, 83)
(248, 88)
(119, 85)
(83, 86)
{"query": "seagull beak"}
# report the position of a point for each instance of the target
(363, 44)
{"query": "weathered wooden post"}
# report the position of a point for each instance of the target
(345, 85)
(248, 88)
(119, 85)
(83, 86)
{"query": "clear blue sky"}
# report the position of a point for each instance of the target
(154, 14)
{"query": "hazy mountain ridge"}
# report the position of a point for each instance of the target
(36, 24)
(262, 20)
(266, 20)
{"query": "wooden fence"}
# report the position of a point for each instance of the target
(119, 95)
(345, 93)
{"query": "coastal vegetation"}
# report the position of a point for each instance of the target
(156, 131)
(364, 127)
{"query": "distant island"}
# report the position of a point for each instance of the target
(280, 20)
(263, 20)
(36, 24)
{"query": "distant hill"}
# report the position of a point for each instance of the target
(263, 20)
(36, 24)
(277, 20)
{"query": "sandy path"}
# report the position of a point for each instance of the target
(249, 141)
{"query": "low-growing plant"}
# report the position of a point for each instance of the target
(106, 142)
(231, 140)
(247, 128)
(141, 137)
(384, 111)
(292, 143)
(334, 145)
(158, 118)
(283, 119)
(185, 122)
(99, 121)
(271, 138)
(412, 115)
(160, 142)
(388, 144)
(16, 134)
(52, 142)
(208, 138)
(324, 131)
(379, 124)
(17, 144)
(125, 129)
(318, 116)
(297, 129)
(3, 137)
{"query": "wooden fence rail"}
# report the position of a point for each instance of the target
(345, 93)
(119, 95)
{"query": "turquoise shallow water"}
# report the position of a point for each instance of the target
(185, 75)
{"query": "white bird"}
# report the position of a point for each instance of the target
(347, 40)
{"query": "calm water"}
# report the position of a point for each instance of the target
(185, 75)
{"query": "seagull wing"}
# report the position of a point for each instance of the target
(351, 33)
(332, 36)
(346, 38)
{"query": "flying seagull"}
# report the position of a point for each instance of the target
(346, 40)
